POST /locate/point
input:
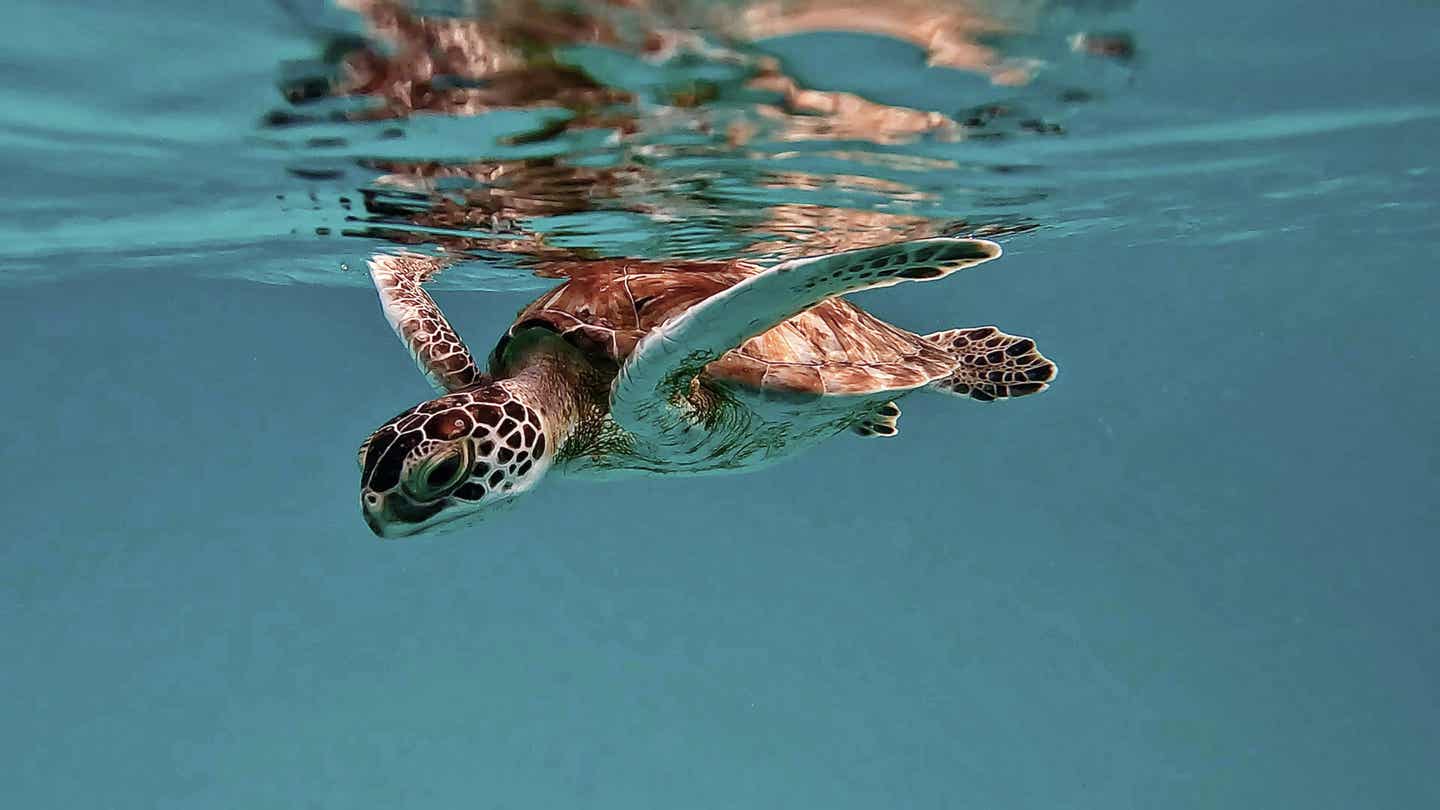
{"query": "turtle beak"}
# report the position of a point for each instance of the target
(374, 522)
(396, 517)
(377, 518)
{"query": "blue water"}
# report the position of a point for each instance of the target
(1199, 572)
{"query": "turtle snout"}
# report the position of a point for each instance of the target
(372, 507)
(376, 524)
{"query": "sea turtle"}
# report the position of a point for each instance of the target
(666, 368)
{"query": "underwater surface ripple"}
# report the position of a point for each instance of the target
(615, 131)
(1197, 573)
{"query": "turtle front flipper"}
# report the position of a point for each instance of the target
(659, 371)
(413, 314)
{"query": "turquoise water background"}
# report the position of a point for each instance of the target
(1199, 572)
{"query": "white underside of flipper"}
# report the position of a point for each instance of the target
(647, 399)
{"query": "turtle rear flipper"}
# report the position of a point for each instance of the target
(883, 422)
(992, 364)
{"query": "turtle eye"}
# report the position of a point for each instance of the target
(439, 473)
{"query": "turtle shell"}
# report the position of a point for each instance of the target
(834, 348)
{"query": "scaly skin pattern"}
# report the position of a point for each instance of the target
(992, 365)
(468, 449)
(413, 314)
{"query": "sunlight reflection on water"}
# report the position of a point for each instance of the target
(674, 130)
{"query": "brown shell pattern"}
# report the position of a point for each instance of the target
(605, 308)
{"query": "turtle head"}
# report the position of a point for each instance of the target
(450, 461)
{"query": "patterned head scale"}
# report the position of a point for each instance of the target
(450, 459)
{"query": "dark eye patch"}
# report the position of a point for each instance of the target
(392, 462)
(378, 445)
